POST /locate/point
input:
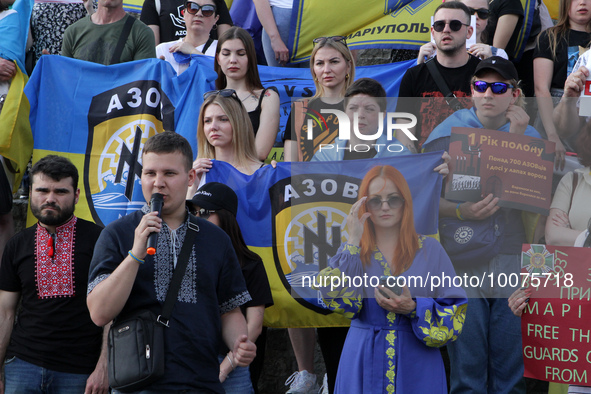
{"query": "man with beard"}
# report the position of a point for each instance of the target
(451, 28)
(54, 346)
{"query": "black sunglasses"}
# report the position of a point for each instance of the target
(222, 92)
(496, 87)
(454, 25)
(482, 13)
(322, 40)
(204, 213)
(375, 203)
(207, 10)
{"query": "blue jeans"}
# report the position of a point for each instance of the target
(486, 357)
(22, 377)
(282, 20)
(237, 382)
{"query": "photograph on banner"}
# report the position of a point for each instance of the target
(361, 126)
(515, 168)
(555, 322)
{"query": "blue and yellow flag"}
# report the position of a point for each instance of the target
(401, 24)
(294, 216)
(100, 117)
(16, 140)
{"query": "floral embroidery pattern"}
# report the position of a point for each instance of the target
(438, 332)
(390, 354)
(54, 268)
(342, 300)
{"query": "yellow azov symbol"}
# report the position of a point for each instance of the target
(113, 143)
(306, 237)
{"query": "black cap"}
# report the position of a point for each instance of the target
(504, 67)
(215, 195)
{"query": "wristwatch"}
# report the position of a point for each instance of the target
(2, 100)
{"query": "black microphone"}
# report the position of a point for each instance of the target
(156, 202)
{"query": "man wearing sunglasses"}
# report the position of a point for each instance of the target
(488, 352)
(450, 30)
(109, 36)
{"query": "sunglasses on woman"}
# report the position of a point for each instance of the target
(204, 213)
(454, 25)
(374, 204)
(482, 13)
(222, 92)
(495, 87)
(207, 10)
(322, 40)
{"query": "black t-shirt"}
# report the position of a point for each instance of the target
(418, 82)
(324, 133)
(53, 332)
(497, 9)
(567, 54)
(171, 22)
(257, 284)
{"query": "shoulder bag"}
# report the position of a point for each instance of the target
(136, 341)
(450, 97)
(468, 242)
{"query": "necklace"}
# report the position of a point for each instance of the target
(250, 94)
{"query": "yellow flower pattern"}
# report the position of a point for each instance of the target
(438, 323)
(438, 332)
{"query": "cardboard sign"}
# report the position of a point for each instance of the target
(515, 168)
(556, 333)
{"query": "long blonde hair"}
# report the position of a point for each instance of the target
(243, 144)
(344, 50)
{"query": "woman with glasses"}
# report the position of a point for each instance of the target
(224, 132)
(236, 65)
(557, 51)
(200, 17)
(333, 71)
(397, 327)
(487, 356)
(479, 8)
(218, 204)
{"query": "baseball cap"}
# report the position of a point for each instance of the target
(215, 195)
(504, 67)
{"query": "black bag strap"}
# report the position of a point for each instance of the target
(207, 45)
(179, 271)
(122, 39)
(450, 98)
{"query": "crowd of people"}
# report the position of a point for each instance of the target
(65, 280)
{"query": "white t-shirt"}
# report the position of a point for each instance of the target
(163, 50)
(281, 3)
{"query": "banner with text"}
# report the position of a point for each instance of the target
(555, 323)
(374, 24)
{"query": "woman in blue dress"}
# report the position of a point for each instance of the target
(393, 340)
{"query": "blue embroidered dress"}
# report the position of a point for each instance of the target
(387, 352)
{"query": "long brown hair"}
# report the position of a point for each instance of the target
(253, 80)
(558, 32)
(408, 242)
